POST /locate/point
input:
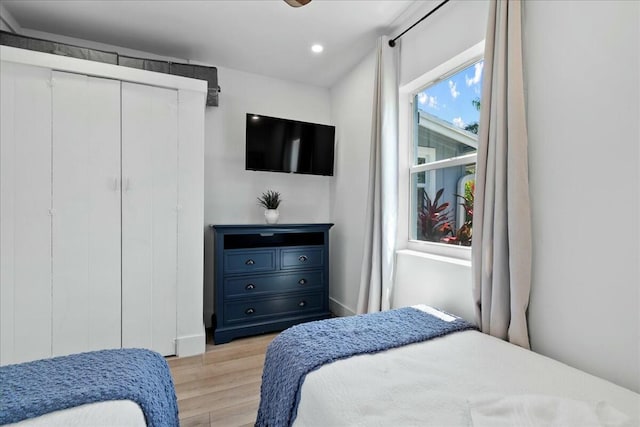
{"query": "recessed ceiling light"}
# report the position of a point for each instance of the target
(254, 117)
(317, 48)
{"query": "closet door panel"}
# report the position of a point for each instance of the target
(86, 221)
(191, 213)
(149, 217)
(25, 224)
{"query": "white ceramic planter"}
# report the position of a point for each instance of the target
(271, 216)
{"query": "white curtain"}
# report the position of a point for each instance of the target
(378, 260)
(501, 254)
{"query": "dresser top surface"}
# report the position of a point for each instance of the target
(270, 227)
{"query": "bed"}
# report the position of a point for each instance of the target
(121, 413)
(123, 387)
(462, 378)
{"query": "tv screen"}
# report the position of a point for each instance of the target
(282, 145)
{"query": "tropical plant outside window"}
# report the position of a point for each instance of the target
(445, 140)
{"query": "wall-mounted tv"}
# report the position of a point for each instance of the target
(281, 145)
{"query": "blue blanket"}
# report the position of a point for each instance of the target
(36, 388)
(306, 347)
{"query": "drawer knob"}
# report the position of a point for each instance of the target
(302, 303)
(302, 281)
(249, 311)
(250, 287)
(249, 262)
(302, 258)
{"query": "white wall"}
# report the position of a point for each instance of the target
(439, 281)
(7, 21)
(4, 26)
(351, 111)
(454, 28)
(581, 62)
(230, 190)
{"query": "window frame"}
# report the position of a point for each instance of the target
(407, 168)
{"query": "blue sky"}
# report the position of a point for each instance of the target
(450, 99)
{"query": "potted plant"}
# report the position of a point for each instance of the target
(270, 200)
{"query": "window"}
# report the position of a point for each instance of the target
(445, 121)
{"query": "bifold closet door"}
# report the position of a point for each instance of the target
(149, 217)
(86, 214)
(25, 224)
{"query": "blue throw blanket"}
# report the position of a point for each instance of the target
(306, 347)
(36, 388)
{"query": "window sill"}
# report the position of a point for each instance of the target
(439, 258)
(462, 253)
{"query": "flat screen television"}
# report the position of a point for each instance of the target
(281, 145)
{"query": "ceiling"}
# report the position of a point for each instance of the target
(267, 37)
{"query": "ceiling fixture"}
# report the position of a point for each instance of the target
(317, 48)
(297, 3)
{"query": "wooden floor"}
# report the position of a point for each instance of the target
(222, 386)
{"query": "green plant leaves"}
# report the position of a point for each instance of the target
(270, 199)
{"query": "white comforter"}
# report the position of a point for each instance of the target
(112, 413)
(456, 380)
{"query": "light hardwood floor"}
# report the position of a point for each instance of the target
(222, 386)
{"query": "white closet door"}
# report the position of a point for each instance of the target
(149, 217)
(25, 224)
(190, 220)
(86, 221)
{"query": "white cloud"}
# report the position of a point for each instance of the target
(430, 101)
(476, 76)
(452, 87)
(459, 122)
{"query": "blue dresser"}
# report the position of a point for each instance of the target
(269, 277)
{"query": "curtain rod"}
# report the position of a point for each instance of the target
(392, 43)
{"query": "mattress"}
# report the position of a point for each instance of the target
(444, 381)
(122, 413)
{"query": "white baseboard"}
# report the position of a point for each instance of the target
(191, 345)
(339, 309)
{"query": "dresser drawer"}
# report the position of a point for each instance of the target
(301, 258)
(268, 284)
(251, 311)
(249, 261)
